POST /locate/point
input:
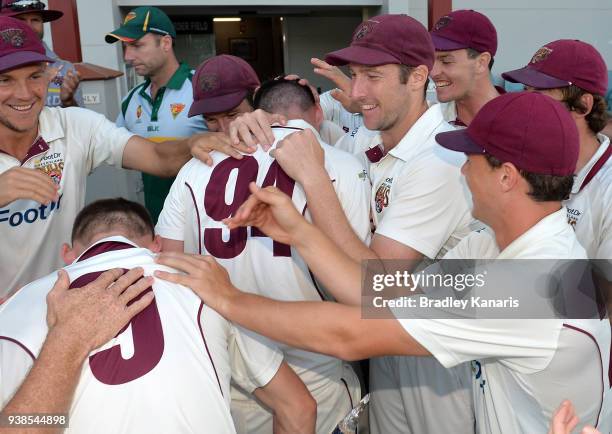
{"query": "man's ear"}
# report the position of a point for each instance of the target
(509, 176)
(156, 245)
(418, 77)
(68, 254)
(319, 116)
(482, 62)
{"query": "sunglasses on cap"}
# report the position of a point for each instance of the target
(22, 5)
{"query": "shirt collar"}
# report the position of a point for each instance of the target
(299, 125)
(604, 143)
(48, 126)
(419, 135)
(551, 226)
(176, 81)
(107, 244)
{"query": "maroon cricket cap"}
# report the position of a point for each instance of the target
(384, 39)
(221, 83)
(563, 63)
(465, 29)
(19, 45)
(528, 129)
(14, 8)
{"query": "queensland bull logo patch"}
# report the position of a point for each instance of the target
(208, 82)
(381, 200)
(540, 55)
(363, 30)
(51, 165)
(443, 22)
(14, 37)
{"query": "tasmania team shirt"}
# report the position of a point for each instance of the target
(71, 143)
(203, 196)
(589, 208)
(160, 119)
(523, 369)
(167, 371)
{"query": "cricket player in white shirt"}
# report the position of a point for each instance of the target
(174, 359)
(419, 206)
(576, 74)
(191, 221)
(46, 154)
(518, 173)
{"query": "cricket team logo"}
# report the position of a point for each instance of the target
(381, 199)
(51, 165)
(442, 22)
(363, 30)
(176, 109)
(208, 82)
(129, 17)
(540, 55)
(14, 37)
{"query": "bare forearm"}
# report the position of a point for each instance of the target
(328, 215)
(335, 269)
(50, 384)
(172, 155)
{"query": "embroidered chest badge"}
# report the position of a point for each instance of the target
(176, 109)
(381, 199)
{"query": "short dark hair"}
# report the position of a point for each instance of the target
(405, 72)
(279, 96)
(106, 214)
(472, 54)
(597, 118)
(544, 188)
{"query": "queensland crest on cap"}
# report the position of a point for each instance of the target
(363, 30)
(443, 22)
(541, 54)
(14, 37)
(129, 17)
(208, 82)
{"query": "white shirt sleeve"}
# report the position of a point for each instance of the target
(172, 219)
(526, 346)
(255, 359)
(604, 251)
(103, 141)
(15, 363)
(424, 210)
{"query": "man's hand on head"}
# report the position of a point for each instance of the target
(253, 128)
(86, 318)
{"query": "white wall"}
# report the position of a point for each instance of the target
(523, 26)
(415, 8)
(307, 37)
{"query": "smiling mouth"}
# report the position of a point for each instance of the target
(440, 84)
(21, 108)
(367, 107)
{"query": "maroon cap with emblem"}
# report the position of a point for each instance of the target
(221, 83)
(528, 129)
(385, 39)
(19, 45)
(562, 63)
(14, 8)
(465, 29)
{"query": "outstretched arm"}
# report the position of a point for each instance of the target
(322, 327)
